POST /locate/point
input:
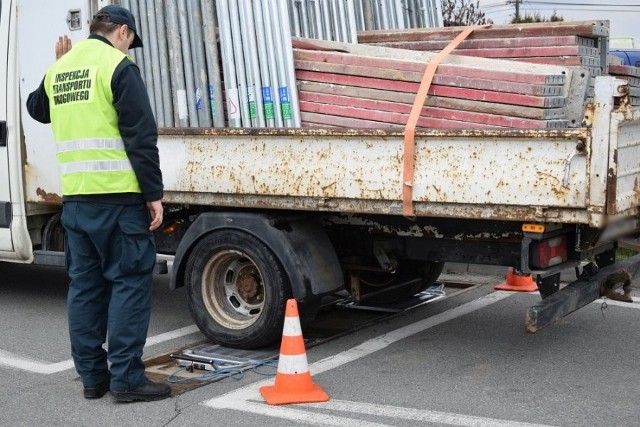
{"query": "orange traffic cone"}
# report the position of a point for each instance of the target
(293, 381)
(518, 282)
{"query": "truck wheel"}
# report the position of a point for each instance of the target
(236, 290)
(409, 278)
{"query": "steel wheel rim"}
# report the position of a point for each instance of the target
(233, 289)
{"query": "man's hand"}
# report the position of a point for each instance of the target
(155, 211)
(63, 45)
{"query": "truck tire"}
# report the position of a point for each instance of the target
(410, 278)
(236, 290)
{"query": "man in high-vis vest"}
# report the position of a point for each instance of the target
(106, 140)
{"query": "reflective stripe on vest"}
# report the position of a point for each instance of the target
(90, 144)
(96, 166)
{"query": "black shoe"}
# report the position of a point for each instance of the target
(148, 391)
(98, 391)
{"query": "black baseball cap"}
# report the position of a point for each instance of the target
(120, 15)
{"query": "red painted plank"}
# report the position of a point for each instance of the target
(324, 120)
(440, 102)
(452, 92)
(493, 43)
(443, 80)
(390, 119)
(428, 112)
(586, 61)
(524, 52)
(562, 28)
(443, 69)
(624, 70)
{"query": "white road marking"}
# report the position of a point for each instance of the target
(298, 414)
(248, 398)
(412, 414)
(13, 360)
(167, 336)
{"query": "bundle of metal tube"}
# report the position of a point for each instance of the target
(340, 20)
(181, 64)
(179, 61)
(397, 14)
(259, 76)
(333, 20)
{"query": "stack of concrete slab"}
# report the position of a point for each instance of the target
(570, 43)
(632, 76)
(560, 43)
(350, 85)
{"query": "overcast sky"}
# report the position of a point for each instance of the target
(624, 15)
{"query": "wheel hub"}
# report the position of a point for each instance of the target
(248, 288)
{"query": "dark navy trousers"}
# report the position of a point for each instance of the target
(110, 255)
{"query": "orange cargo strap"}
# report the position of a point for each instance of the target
(410, 128)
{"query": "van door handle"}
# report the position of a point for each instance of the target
(3, 133)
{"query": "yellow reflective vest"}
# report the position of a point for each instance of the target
(90, 150)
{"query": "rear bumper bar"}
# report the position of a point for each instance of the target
(582, 292)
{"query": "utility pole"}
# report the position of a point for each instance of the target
(517, 6)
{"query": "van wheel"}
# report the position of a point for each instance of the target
(236, 290)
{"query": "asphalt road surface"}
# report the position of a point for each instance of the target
(463, 360)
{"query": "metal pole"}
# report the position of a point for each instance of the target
(213, 65)
(341, 15)
(399, 14)
(250, 51)
(283, 87)
(368, 13)
(229, 69)
(351, 22)
(304, 18)
(156, 83)
(143, 55)
(436, 16)
(317, 21)
(188, 63)
(294, 17)
(181, 111)
(241, 73)
(268, 94)
(384, 14)
(328, 29)
(288, 67)
(163, 57)
(272, 62)
(132, 53)
(200, 70)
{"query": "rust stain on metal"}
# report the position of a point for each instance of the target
(636, 192)
(306, 133)
(612, 185)
(48, 197)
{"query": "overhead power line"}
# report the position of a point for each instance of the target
(555, 3)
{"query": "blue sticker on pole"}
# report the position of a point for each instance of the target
(212, 100)
(285, 104)
(198, 99)
(267, 100)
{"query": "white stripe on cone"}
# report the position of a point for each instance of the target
(293, 364)
(291, 327)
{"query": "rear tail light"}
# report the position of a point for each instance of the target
(549, 252)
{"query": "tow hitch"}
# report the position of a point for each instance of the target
(583, 291)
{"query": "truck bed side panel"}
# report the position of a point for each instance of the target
(457, 175)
